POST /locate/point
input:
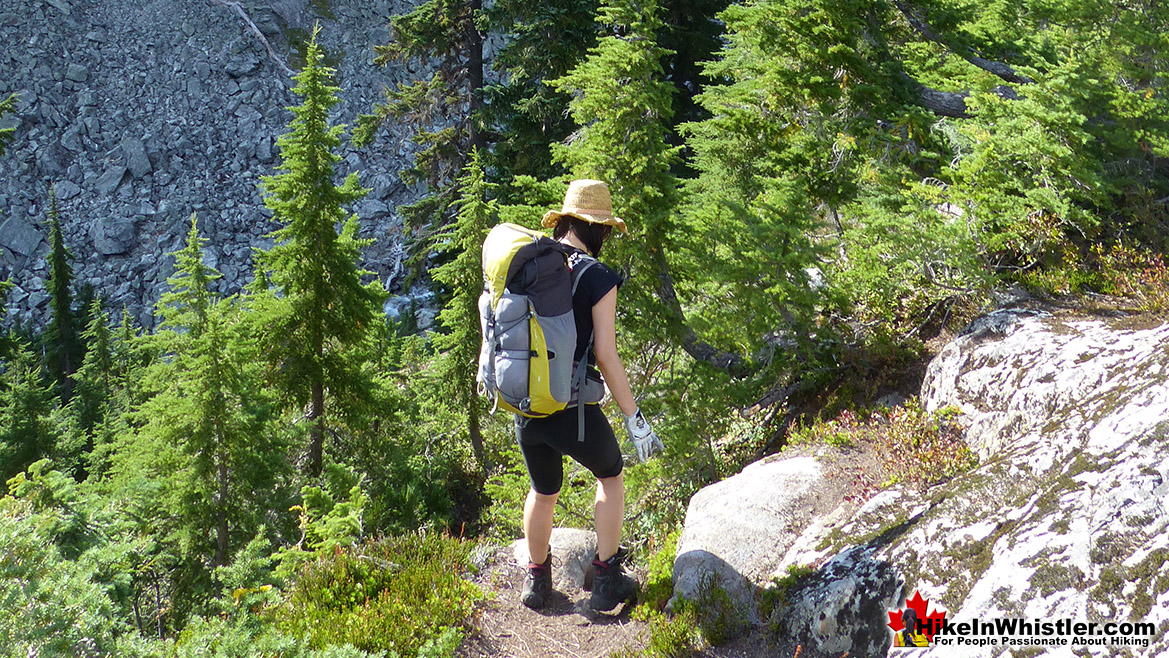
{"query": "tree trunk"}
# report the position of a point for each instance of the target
(316, 446)
(475, 434)
(697, 348)
(221, 547)
(475, 77)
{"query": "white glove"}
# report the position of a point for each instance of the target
(644, 439)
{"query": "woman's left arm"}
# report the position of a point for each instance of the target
(605, 347)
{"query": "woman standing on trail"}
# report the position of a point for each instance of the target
(583, 224)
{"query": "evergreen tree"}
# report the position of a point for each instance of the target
(443, 110)
(95, 383)
(6, 340)
(623, 105)
(523, 115)
(463, 277)
(27, 428)
(64, 345)
(321, 307)
(211, 407)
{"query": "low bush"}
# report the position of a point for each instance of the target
(400, 595)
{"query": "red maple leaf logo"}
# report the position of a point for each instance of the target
(920, 606)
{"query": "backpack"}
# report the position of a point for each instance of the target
(529, 330)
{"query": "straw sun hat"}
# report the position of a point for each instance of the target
(588, 200)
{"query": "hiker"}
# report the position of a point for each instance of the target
(910, 635)
(583, 223)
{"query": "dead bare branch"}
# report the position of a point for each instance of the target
(243, 14)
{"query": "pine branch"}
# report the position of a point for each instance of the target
(697, 348)
(243, 14)
(918, 22)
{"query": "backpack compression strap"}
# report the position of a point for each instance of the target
(582, 366)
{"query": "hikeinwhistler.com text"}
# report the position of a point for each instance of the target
(1039, 633)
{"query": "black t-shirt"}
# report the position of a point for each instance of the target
(595, 283)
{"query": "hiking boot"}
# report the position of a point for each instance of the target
(538, 583)
(610, 584)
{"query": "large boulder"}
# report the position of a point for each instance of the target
(572, 558)
(19, 236)
(737, 530)
(743, 533)
(1065, 518)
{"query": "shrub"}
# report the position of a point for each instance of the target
(1138, 275)
(659, 584)
(923, 448)
(398, 594)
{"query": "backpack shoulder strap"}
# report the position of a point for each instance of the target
(582, 266)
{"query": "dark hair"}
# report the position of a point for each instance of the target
(591, 234)
(909, 618)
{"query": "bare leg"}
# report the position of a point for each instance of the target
(609, 514)
(538, 511)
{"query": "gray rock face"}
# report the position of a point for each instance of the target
(572, 558)
(168, 103)
(1066, 518)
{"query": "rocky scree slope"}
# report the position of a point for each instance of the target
(140, 112)
(1066, 516)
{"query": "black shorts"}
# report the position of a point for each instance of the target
(544, 441)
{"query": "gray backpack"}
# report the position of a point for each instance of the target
(528, 327)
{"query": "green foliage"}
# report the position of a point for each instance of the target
(6, 134)
(463, 277)
(774, 598)
(331, 517)
(319, 307)
(396, 594)
(718, 617)
(67, 564)
(541, 41)
(1137, 275)
(924, 448)
(28, 428)
(51, 604)
(659, 582)
(622, 104)
(675, 636)
(63, 344)
(841, 431)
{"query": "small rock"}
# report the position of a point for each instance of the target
(77, 73)
(113, 237)
(61, 5)
(109, 181)
(136, 158)
(241, 65)
(572, 552)
(66, 190)
(72, 140)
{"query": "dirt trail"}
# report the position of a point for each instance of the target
(567, 627)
